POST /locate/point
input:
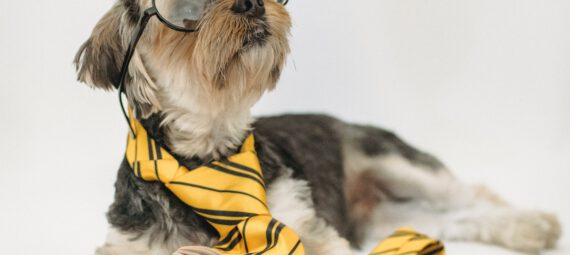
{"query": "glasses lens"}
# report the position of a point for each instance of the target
(182, 14)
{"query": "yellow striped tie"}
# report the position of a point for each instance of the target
(407, 242)
(229, 194)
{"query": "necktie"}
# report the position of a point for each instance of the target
(406, 241)
(229, 194)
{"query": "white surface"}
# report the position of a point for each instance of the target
(483, 84)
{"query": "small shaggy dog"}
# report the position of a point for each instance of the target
(336, 184)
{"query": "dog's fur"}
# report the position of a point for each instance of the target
(336, 184)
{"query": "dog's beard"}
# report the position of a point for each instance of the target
(234, 50)
(230, 53)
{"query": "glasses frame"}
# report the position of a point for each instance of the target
(142, 23)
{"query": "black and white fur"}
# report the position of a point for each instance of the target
(336, 184)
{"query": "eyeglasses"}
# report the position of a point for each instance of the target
(183, 15)
(178, 15)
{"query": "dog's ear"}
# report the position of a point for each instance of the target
(99, 58)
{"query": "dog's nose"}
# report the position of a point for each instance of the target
(254, 8)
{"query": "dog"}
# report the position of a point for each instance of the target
(335, 184)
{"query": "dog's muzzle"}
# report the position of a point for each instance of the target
(249, 8)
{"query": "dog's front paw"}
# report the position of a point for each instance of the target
(530, 231)
(196, 250)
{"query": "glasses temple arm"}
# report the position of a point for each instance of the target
(143, 21)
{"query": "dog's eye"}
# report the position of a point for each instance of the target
(181, 13)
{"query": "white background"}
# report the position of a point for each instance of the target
(483, 84)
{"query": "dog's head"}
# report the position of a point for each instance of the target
(235, 55)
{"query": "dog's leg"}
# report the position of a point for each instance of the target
(290, 202)
(480, 219)
(390, 185)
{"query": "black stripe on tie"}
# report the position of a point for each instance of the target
(222, 222)
(438, 250)
(231, 172)
(268, 233)
(228, 238)
(268, 238)
(280, 227)
(295, 247)
(224, 213)
(151, 156)
(433, 248)
(139, 169)
(149, 145)
(271, 244)
(431, 253)
(156, 171)
(242, 167)
(158, 151)
(220, 191)
(232, 244)
(244, 236)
